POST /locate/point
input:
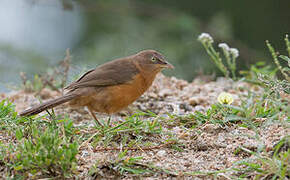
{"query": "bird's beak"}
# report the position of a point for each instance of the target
(168, 65)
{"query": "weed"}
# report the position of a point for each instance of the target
(132, 165)
(285, 71)
(230, 55)
(261, 166)
(46, 152)
(36, 147)
(256, 70)
(54, 78)
(47, 146)
(131, 132)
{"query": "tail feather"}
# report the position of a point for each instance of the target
(47, 105)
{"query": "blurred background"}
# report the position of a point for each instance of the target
(34, 34)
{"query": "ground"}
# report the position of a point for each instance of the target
(179, 147)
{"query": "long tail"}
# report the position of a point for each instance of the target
(47, 105)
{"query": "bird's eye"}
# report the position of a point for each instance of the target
(154, 59)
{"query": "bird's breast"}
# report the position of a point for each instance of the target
(112, 99)
(120, 96)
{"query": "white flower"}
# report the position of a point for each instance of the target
(224, 46)
(234, 52)
(205, 37)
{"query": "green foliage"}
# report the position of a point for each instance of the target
(133, 165)
(256, 110)
(48, 148)
(284, 71)
(275, 86)
(256, 70)
(252, 109)
(263, 166)
(133, 126)
(207, 41)
(47, 152)
(287, 42)
(34, 85)
(43, 146)
(230, 55)
(36, 147)
(8, 117)
(7, 110)
(129, 164)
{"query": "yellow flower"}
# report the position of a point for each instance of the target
(225, 98)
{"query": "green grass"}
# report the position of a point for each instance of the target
(36, 145)
(48, 146)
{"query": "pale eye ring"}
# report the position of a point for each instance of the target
(153, 59)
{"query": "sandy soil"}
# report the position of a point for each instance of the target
(208, 147)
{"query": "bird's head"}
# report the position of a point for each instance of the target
(151, 60)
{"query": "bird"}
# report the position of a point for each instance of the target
(110, 87)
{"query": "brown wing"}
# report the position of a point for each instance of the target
(112, 73)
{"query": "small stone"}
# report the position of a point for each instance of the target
(221, 138)
(221, 141)
(193, 101)
(152, 95)
(185, 106)
(165, 92)
(201, 146)
(164, 116)
(232, 91)
(252, 145)
(85, 153)
(196, 101)
(176, 130)
(181, 84)
(210, 128)
(161, 153)
(199, 108)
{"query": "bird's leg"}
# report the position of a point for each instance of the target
(109, 120)
(94, 116)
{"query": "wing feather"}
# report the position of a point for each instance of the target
(112, 73)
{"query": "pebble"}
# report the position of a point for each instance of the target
(165, 92)
(202, 149)
(185, 106)
(85, 153)
(210, 128)
(161, 153)
(199, 108)
(176, 130)
(252, 145)
(196, 101)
